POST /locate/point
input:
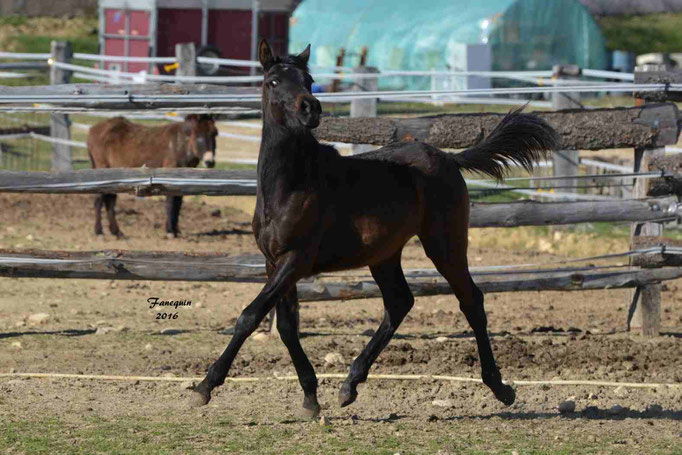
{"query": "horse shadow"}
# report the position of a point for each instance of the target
(589, 413)
(66, 332)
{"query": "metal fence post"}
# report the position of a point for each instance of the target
(60, 123)
(364, 107)
(565, 162)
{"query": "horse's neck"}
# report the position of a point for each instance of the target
(286, 157)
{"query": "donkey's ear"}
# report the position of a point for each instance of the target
(264, 54)
(191, 123)
(305, 55)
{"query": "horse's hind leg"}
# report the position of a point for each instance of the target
(98, 214)
(447, 250)
(287, 326)
(398, 301)
(110, 203)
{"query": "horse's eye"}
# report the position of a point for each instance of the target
(273, 83)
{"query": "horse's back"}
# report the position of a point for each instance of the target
(118, 142)
(437, 176)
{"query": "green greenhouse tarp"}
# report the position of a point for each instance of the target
(433, 35)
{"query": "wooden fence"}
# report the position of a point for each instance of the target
(647, 127)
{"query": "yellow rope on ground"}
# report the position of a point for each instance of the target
(402, 377)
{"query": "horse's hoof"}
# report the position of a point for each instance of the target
(310, 411)
(199, 399)
(171, 235)
(347, 395)
(506, 395)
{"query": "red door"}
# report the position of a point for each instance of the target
(126, 33)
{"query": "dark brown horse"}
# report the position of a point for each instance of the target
(317, 211)
(118, 142)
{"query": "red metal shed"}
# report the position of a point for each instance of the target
(152, 28)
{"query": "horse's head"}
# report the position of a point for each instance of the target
(287, 97)
(202, 132)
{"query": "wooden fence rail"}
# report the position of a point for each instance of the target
(148, 182)
(174, 266)
(653, 125)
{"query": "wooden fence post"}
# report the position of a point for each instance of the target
(565, 162)
(186, 55)
(60, 123)
(364, 107)
(645, 304)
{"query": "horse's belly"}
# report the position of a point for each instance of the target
(366, 240)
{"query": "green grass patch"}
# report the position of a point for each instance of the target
(143, 436)
(42, 43)
(643, 34)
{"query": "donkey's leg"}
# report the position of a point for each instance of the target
(98, 214)
(110, 203)
(173, 205)
(449, 257)
(287, 326)
(278, 285)
(398, 301)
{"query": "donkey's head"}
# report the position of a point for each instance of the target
(201, 131)
(287, 98)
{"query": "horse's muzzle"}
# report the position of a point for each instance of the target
(308, 111)
(209, 159)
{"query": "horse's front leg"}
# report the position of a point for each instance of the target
(278, 285)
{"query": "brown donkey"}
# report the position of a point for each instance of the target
(317, 211)
(118, 142)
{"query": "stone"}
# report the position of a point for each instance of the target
(620, 391)
(334, 358)
(187, 385)
(38, 318)
(654, 409)
(16, 344)
(148, 347)
(617, 409)
(442, 403)
(104, 330)
(260, 336)
(441, 339)
(567, 406)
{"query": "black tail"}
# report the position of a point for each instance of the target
(519, 138)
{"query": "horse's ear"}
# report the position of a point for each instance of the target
(305, 55)
(264, 53)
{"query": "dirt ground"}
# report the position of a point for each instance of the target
(107, 328)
